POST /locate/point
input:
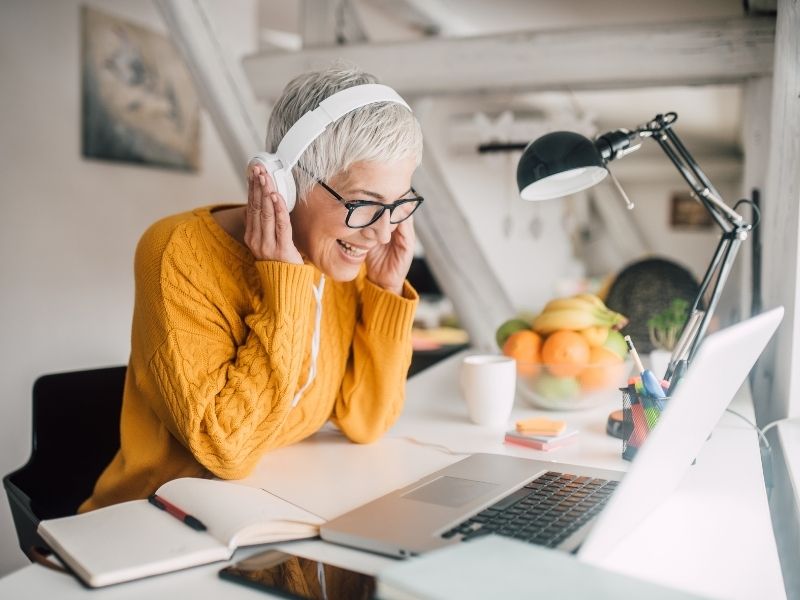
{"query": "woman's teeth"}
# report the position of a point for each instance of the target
(351, 250)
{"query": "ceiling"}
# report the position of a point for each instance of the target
(709, 116)
(395, 19)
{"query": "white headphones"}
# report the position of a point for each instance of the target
(311, 125)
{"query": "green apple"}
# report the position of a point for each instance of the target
(556, 388)
(616, 343)
(507, 328)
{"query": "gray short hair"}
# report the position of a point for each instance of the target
(380, 131)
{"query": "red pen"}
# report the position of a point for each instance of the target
(176, 512)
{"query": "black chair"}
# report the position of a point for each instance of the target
(75, 436)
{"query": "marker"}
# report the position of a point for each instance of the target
(176, 512)
(651, 384)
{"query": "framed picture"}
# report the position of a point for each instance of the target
(688, 213)
(139, 104)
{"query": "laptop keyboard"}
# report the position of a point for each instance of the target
(544, 512)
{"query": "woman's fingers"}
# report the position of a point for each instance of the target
(403, 238)
(269, 183)
(283, 232)
(283, 228)
(251, 188)
(268, 230)
(254, 220)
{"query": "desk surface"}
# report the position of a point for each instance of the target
(713, 536)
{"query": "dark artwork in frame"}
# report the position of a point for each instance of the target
(138, 102)
(687, 213)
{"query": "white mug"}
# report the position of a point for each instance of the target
(488, 383)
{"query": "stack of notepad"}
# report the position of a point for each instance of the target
(541, 434)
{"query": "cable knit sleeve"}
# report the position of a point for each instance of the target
(372, 392)
(225, 398)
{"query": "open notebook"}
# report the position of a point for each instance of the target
(135, 539)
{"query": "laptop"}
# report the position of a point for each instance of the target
(567, 507)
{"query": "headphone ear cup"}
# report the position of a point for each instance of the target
(283, 178)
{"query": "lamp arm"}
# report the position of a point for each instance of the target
(695, 168)
(701, 192)
(734, 229)
(660, 129)
(721, 264)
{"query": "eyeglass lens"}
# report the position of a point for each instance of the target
(365, 215)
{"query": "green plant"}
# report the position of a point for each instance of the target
(665, 327)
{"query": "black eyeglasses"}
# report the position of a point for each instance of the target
(363, 213)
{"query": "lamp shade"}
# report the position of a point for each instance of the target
(558, 164)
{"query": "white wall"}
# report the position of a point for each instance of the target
(68, 226)
(528, 266)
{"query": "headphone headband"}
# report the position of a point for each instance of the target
(312, 124)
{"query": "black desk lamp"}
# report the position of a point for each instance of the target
(563, 162)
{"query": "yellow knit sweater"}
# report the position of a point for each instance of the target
(221, 344)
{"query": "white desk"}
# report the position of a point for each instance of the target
(713, 536)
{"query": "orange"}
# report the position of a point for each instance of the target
(603, 370)
(524, 346)
(565, 353)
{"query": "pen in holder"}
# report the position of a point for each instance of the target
(640, 414)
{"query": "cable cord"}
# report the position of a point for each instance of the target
(777, 422)
(439, 447)
(753, 425)
(762, 431)
(312, 370)
(754, 207)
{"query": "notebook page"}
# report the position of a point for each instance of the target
(239, 515)
(128, 541)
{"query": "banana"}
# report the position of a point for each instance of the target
(591, 299)
(581, 301)
(568, 304)
(592, 304)
(570, 318)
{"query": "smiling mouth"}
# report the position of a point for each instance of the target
(351, 250)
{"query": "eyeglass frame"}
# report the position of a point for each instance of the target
(352, 205)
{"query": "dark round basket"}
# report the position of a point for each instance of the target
(644, 289)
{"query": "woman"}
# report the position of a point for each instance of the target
(254, 326)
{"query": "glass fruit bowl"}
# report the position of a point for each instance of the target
(571, 387)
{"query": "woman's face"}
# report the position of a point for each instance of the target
(318, 223)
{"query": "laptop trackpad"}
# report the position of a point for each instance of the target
(450, 491)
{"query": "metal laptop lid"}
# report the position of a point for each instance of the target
(716, 374)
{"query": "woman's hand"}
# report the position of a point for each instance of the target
(388, 264)
(267, 229)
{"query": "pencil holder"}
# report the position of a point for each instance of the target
(640, 414)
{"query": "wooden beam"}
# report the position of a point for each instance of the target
(429, 17)
(220, 82)
(778, 374)
(330, 22)
(704, 52)
(755, 7)
(776, 381)
(456, 260)
(756, 104)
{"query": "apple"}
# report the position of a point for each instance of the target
(616, 343)
(556, 388)
(506, 329)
